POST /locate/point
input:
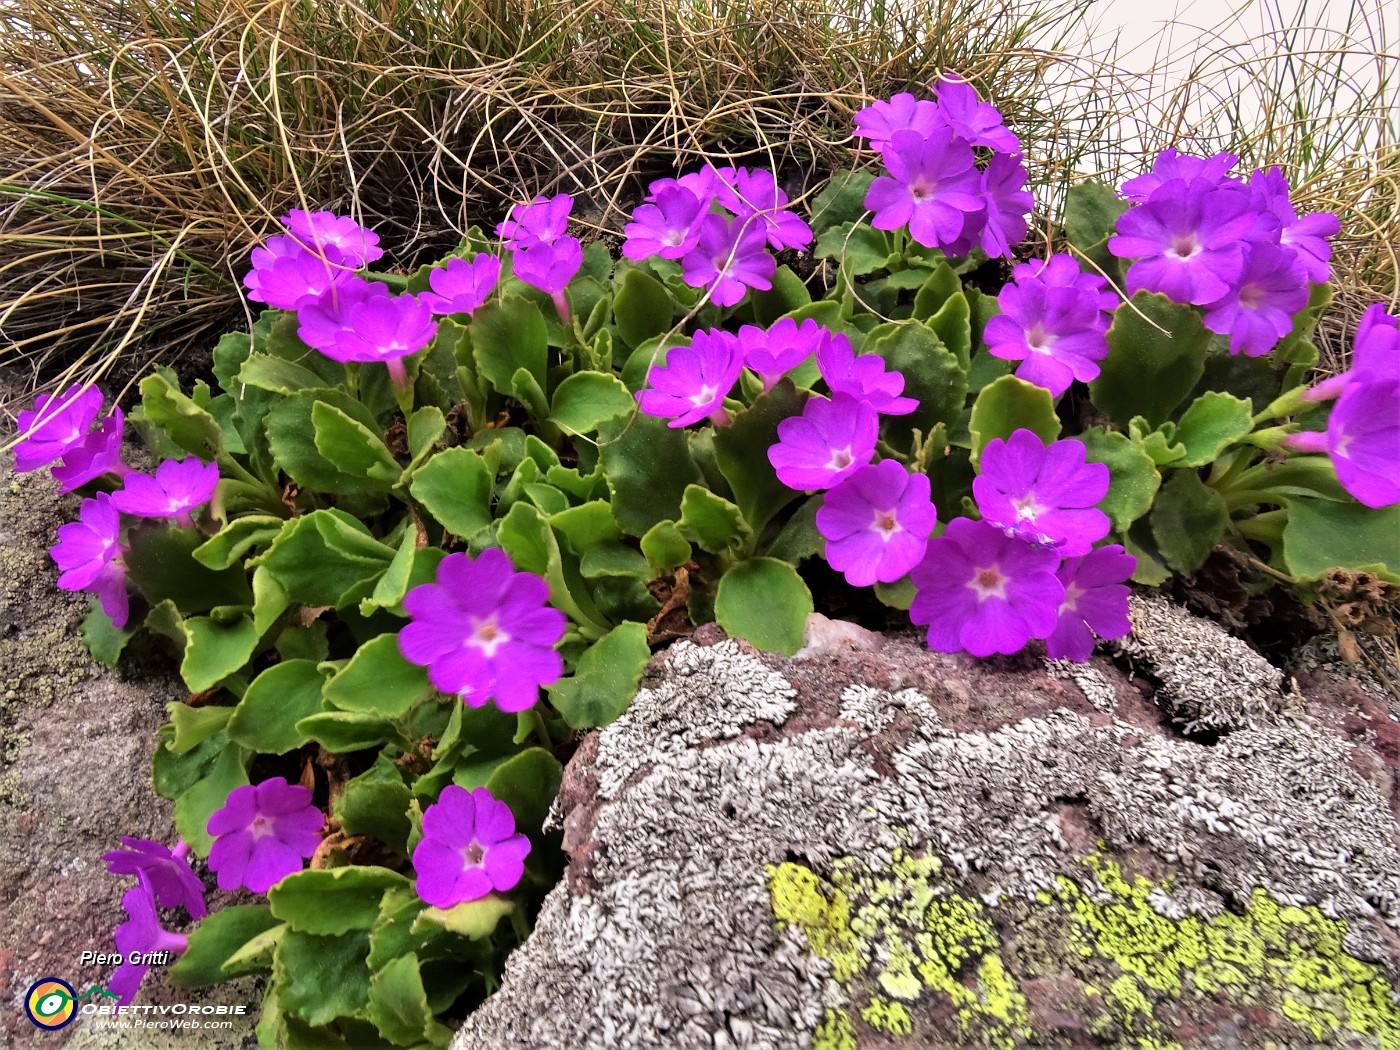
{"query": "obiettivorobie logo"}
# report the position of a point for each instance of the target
(51, 1003)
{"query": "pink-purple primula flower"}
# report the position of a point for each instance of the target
(1363, 439)
(469, 848)
(88, 553)
(58, 424)
(548, 267)
(364, 325)
(877, 523)
(1187, 239)
(166, 870)
(287, 276)
(462, 285)
(983, 591)
(831, 440)
(1095, 603)
(263, 833)
(141, 935)
(484, 631)
(1375, 349)
(543, 221)
(1056, 330)
(1305, 237)
(1257, 310)
(1008, 203)
(1171, 165)
(864, 377)
(178, 487)
(756, 194)
(931, 187)
(336, 237)
(693, 382)
(980, 123)
(776, 351)
(668, 228)
(1043, 494)
(902, 112)
(100, 453)
(730, 257)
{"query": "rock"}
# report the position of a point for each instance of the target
(877, 845)
(76, 741)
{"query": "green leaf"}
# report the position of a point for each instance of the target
(953, 326)
(216, 939)
(859, 248)
(352, 447)
(1153, 360)
(1322, 535)
(787, 294)
(393, 585)
(376, 803)
(292, 435)
(1132, 476)
(1160, 444)
(932, 374)
(425, 427)
(1009, 405)
(526, 389)
(235, 539)
(215, 650)
(935, 292)
(1091, 214)
(614, 559)
(276, 375)
(104, 640)
(455, 485)
(194, 725)
(584, 400)
(265, 719)
(764, 601)
(398, 1005)
(160, 564)
(643, 308)
(186, 424)
(1188, 520)
(665, 548)
(529, 539)
(322, 978)
(378, 680)
(197, 804)
(171, 774)
(527, 783)
(508, 334)
(605, 679)
(332, 901)
(711, 521)
(799, 538)
(475, 920)
(741, 450)
(842, 199)
(342, 732)
(897, 595)
(323, 555)
(1212, 423)
(256, 955)
(648, 466)
(586, 525)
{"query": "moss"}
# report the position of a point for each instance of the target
(901, 939)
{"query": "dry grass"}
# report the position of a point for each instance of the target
(146, 152)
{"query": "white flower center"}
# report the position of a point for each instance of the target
(886, 524)
(704, 396)
(988, 582)
(841, 458)
(473, 855)
(488, 636)
(1027, 508)
(1185, 246)
(1038, 339)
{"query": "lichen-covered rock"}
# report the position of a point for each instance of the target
(877, 845)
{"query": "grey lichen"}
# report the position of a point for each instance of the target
(672, 941)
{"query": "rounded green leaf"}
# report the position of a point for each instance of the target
(1009, 405)
(764, 601)
(215, 650)
(378, 680)
(643, 308)
(1156, 352)
(1132, 476)
(585, 399)
(605, 679)
(332, 901)
(1213, 422)
(216, 939)
(1322, 535)
(455, 486)
(265, 719)
(1188, 519)
(711, 521)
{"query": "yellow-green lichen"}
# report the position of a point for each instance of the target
(900, 936)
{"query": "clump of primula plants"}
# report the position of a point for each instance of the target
(431, 526)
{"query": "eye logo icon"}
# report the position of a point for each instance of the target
(50, 1003)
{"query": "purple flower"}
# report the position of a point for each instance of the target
(140, 935)
(165, 870)
(931, 186)
(1044, 494)
(1062, 271)
(469, 848)
(903, 112)
(484, 631)
(541, 222)
(1008, 204)
(1096, 602)
(1186, 239)
(548, 266)
(757, 194)
(338, 238)
(1376, 348)
(262, 833)
(701, 183)
(1058, 330)
(369, 326)
(877, 523)
(325, 324)
(693, 382)
(978, 122)
(827, 443)
(1172, 165)
(1363, 439)
(1305, 237)
(88, 555)
(461, 286)
(862, 377)
(100, 453)
(179, 486)
(58, 425)
(785, 345)
(729, 257)
(287, 276)
(669, 228)
(1257, 311)
(984, 591)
